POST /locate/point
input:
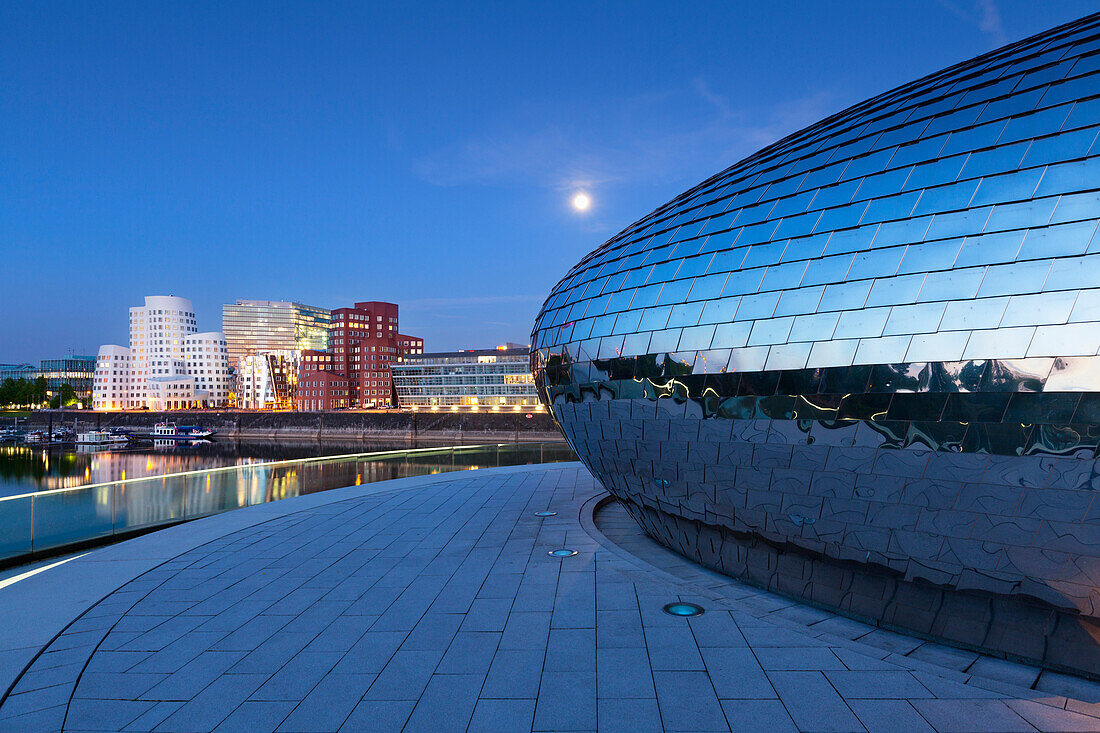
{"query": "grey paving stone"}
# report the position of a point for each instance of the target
(297, 677)
(955, 716)
(526, 630)
(758, 715)
(812, 702)
(672, 648)
(736, 674)
(253, 716)
(210, 707)
(192, 678)
(487, 614)
(329, 704)
(154, 717)
(103, 714)
(178, 653)
(116, 661)
(944, 656)
(471, 652)
(798, 658)
(434, 631)
(362, 623)
(515, 673)
(620, 628)
(878, 684)
(857, 661)
(44, 698)
(716, 628)
(38, 721)
(688, 702)
(1053, 720)
(405, 676)
(946, 688)
(494, 716)
(623, 672)
(771, 635)
(571, 650)
(372, 651)
(897, 643)
(566, 701)
(447, 704)
(1003, 670)
(629, 716)
(272, 654)
(889, 716)
(120, 686)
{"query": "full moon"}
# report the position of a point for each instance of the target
(581, 202)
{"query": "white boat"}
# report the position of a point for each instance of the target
(101, 438)
(169, 430)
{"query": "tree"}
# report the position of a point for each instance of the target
(65, 397)
(39, 390)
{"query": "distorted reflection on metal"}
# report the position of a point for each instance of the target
(862, 366)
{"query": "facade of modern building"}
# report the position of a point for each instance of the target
(482, 378)
(861, 366)
(262, 326)
(364, 343)
(323, 390)
(267, 380)
(169, 365)
(76, 371)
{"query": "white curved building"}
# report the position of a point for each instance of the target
(169, 365)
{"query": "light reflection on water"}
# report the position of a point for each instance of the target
(36, 516)
(24, 469)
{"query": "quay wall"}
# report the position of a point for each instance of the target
(442, 428)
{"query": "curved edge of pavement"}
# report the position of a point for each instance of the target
(37, 608)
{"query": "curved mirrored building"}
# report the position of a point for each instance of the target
(861, 367)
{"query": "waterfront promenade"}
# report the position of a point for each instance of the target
(432, 604)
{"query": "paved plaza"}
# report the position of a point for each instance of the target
(432, 604)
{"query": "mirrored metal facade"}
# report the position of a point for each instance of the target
(861, 366)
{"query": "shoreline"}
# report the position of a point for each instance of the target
(451, 428)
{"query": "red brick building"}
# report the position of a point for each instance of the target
(321, 390)
(363, 342)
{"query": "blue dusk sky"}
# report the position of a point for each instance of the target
(422, 153)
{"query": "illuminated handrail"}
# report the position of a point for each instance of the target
(262, 464)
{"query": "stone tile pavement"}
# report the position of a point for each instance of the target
(436, 607)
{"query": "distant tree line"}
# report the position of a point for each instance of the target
(33, 392)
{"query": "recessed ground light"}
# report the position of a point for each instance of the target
(563, 552)
(683, 609)
(546, 514)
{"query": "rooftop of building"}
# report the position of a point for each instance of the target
(275, 304)
(514, 350)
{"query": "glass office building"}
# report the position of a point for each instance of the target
(256, 326)
(486, 378)
(76, 371)
(861, 366)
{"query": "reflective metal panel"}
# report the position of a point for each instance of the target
(870, 350)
